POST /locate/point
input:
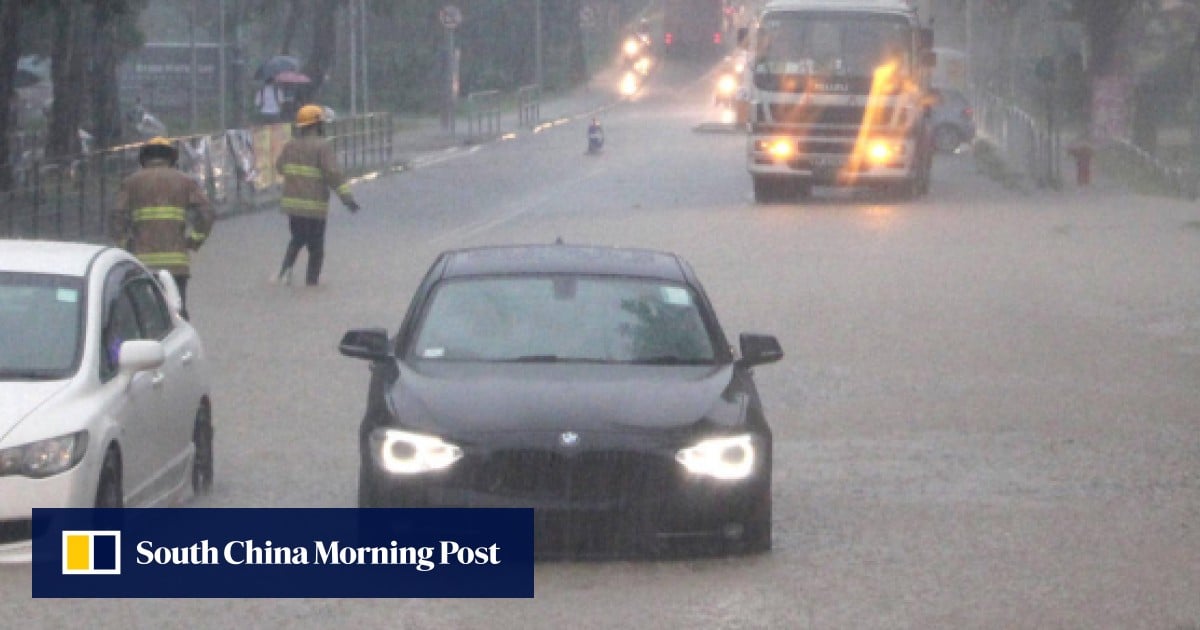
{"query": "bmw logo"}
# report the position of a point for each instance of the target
(568, 439)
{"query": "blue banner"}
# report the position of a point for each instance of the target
(283, 552)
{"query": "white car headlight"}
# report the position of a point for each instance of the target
(404, 453)
(44, 457)
(727, 458)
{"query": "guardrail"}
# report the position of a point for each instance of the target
(483, 115)
(1026, 146)
(529, 106)
(1177, 180)
(72, 197)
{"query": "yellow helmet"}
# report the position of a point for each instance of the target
(310, 115)
(158, 147)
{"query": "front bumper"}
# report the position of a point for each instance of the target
(833, 161)
(599, 502)
(18, 497)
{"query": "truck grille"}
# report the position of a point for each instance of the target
(808, 114)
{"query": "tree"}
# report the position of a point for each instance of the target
(10, 22)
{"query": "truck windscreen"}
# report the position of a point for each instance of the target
(830, 44)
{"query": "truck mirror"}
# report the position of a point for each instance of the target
(925, 39)
(928, 58)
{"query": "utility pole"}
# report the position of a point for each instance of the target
(221, 74)
(192, 121)
(537, 43)
(352, 22)
(366, 76)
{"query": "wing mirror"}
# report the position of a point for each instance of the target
(759, 349)
(137, 355)
(366, 343)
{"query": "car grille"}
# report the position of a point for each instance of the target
(584, 477)
(15, 531)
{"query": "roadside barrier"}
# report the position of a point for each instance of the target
(72, 197)
(483, 115)
(529, 104)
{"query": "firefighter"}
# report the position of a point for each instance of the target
(151, 215)
(309, 168)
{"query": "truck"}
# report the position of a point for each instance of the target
(838, 95)
(693, 27)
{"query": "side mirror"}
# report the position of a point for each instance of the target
(759, 349)
(925, 39)
(170, 291)
(928, 58)
(366, 343)
(136, 355)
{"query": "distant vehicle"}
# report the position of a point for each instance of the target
(838, 90)
(952, 119)
(591, 384)
(693, 27)
(104, 388)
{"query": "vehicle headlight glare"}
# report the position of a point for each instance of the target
(631, 47)
(879, 152)
(780, 149)
(726, 85)
(44, 458)
(405, 453)
(726, 458)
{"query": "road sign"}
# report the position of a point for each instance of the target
(450, 16)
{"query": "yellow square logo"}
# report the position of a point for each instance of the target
(91, 552)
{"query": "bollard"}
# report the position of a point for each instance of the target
(1082, 152)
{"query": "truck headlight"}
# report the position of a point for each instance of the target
(726, 85)
(779, 148)
(726, 458)
(405, 453)
(884, 151)
(44, 458)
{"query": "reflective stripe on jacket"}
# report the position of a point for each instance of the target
(310, 170)
(151, 219)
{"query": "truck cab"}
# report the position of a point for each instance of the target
(838, 97)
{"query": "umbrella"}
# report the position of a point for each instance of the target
(275, 65)
(290, 77)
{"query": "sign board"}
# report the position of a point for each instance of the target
(450, 16)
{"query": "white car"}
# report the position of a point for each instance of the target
(104, 387)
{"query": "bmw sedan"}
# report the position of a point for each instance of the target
(104, 389)
(591, 384)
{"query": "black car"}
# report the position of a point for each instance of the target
(592, 384)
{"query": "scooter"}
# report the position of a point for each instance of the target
(595, 137)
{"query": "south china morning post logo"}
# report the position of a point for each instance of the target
(283, 552)
(91, 552)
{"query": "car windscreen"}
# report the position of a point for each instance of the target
(830, 44)
(548, 318)
(40, 325)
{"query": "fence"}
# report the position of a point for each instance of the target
(483, 115)
(1025, 144)
(73, 197)
(1176, 180)
(529, 105)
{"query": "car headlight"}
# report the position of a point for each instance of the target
(44, 457)
(727, 458)
(404, 453)
(883, 151)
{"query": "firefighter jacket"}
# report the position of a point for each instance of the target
(151, 217)
(309, 168)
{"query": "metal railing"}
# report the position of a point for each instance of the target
(483, 115)
(1027, 147)
(1176, 180)
(529, 106)
(72, 197)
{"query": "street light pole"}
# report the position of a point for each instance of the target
(366, 76)
(537, 43)
(352, 22)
